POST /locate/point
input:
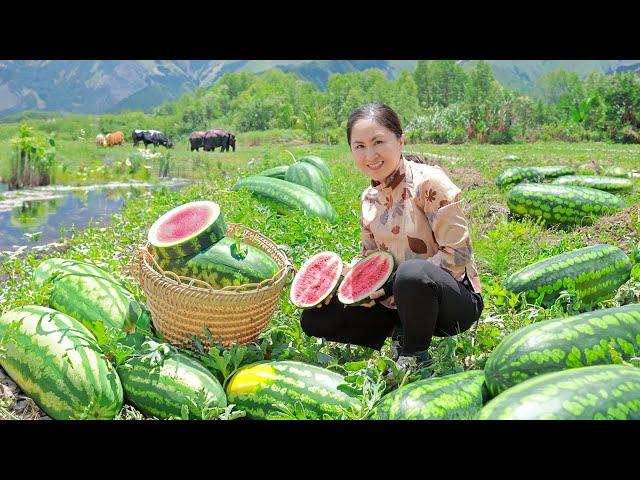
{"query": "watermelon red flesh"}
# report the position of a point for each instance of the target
(316, 279)
(366, 276)
(183, 224)
(187, 229)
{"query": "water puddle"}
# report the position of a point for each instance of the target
(34, 217)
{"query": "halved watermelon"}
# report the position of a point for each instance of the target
(316, 280)
(365, 277)
(187, 229)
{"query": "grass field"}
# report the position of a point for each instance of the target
(502, 244)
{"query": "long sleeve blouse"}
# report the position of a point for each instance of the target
(416, 212)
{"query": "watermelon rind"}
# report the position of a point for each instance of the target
(591, 338)
(452, 397)
(343, 295)
(600, 392)
(162, 390)
(329, 288)
(275, 172)
(211, 232)
(56, 361)
(594, 272)
(288, 196)
(317, 162)
(309, 176)
(601, 182)
(257, 387)
(221, 265)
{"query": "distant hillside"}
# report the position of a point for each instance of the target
(101, 86)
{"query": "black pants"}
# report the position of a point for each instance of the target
(429, 300)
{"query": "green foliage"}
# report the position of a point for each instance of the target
(33, 159)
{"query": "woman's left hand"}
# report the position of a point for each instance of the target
(373, 296)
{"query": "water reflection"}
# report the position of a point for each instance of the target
(38, 222)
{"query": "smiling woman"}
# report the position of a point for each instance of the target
(412, 211)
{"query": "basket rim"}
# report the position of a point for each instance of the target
(149, 267)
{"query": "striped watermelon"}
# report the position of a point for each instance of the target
(317, 162)
(316, 279)
(366, 277)
(608, 184)
(595, 272)
(561, 203)
(59, 266)
(222, 264)
(187, 229)
(56, 361)
(515, 175)
(257, 387)
(161, 391)
(616, 172)
(453, 397)
(552, 171)
(564, 343)
(512, 158)
(95, 302)
(288, 196)
(275, 172)
(601, 392)
(309, 176)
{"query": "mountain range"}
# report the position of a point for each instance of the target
(105, 86)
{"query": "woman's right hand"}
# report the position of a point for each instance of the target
(345, 270)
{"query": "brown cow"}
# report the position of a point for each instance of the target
(115, 138)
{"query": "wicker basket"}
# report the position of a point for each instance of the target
(182, 307)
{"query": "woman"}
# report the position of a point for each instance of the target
(413, 211)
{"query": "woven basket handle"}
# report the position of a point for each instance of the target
(290, 266)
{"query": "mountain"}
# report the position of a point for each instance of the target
(102, 86)
(525, 74)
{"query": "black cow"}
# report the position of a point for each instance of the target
(196, 141)
(150, 136)
(136, 136)
(219, 138)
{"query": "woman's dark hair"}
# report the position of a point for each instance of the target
(383, 115)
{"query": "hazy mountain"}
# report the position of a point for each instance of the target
(100, 86)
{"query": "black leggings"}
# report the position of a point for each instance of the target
(429, 302)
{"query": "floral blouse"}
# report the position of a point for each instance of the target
(416, 213)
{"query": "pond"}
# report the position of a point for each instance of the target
(34, 217)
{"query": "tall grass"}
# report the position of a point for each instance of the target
(32, 160)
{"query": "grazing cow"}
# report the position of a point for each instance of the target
(101, 140)
(156, 138)
(219, 138)
(196, 141)
(136, 136)
(115, 138)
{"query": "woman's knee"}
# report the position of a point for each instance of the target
(414, 275)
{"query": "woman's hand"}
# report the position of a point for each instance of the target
(373, 296)
(345, 270)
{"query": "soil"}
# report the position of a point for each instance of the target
(18, 406)
(616, 228)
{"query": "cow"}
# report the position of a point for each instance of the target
(136, 136)
(151, 136)
(101, 140)
(196, 141)
(217, 137)
(115, 138)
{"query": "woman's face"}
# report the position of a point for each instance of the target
(375, 149)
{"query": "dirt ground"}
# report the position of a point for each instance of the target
(14, 405)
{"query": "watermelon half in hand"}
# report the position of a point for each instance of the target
(366, 277)
(316, 280)
(187, 229)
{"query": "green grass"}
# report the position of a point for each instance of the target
(501, 244)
